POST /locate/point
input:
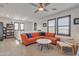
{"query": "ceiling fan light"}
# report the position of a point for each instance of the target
(40, 9)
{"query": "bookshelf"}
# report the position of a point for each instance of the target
(9, 30)
(4, 32)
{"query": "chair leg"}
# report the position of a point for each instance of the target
(62, 49)
(75, 48)
(73, 51)
(57, 47)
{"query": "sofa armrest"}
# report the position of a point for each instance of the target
(58, 38)
(54, 40)
(23, 37)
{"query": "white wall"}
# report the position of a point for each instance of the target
(74, 28)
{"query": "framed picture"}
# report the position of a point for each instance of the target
(76, 21)
(44, 24)
(35, 26)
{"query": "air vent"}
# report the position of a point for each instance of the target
(54, 9)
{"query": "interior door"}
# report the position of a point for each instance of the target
(1, 31)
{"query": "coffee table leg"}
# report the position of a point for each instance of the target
(47, 46)
(41, 47)
(44, 46)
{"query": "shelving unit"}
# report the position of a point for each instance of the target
(9, 30)
(4, 32)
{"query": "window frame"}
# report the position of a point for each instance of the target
(69, 26)
(48, 24)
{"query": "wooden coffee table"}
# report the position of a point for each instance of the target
(43, 43)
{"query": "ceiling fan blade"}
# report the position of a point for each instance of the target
(33, 4)
(36, 11)
(40, 4)
(46, 4)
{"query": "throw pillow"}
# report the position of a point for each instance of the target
(29, 35)
(42, 33)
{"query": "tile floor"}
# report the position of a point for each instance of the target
(10, 47)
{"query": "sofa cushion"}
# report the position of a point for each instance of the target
(29, 35)
(42, 33)
(35, 34)
(50, 34)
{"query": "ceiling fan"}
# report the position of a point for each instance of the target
(40, 7)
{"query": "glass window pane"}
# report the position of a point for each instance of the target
(52, 29)
(22, 26)
(64, 25)
(52, 23)
(63, 21)
(16, 26)
(63, 30)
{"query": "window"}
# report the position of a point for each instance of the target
(63, 25)
(60, 26)
(21, 26)
(52, 25)
(16, 26)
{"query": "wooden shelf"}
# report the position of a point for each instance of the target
(10, 31)
(4, 32)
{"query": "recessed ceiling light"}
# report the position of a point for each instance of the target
(54, 9)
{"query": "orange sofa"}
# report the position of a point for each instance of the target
(36, 35)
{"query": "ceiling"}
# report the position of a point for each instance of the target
(25, 10)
